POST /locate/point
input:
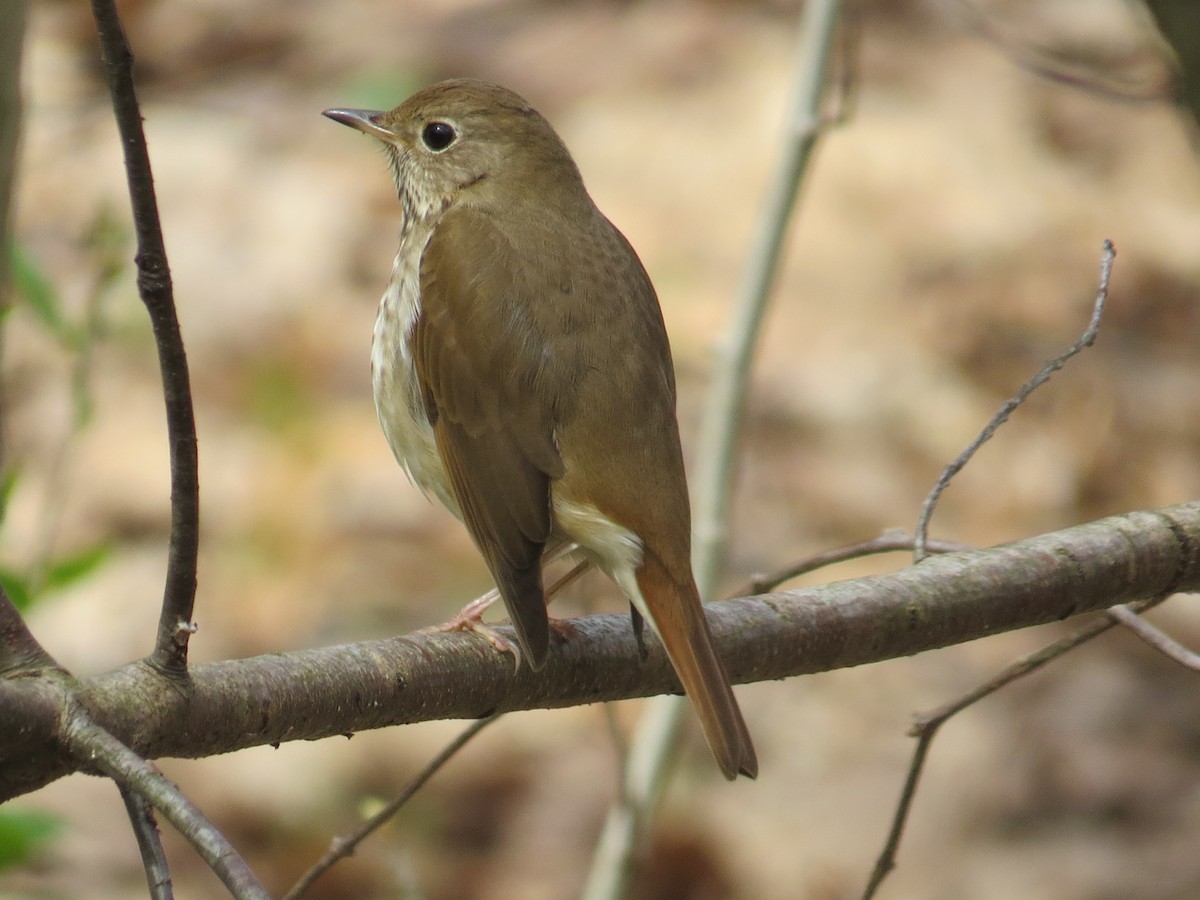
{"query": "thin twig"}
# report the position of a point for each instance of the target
(889, 542)
(154, 285)
(1052, 65)
(97, 750)
(342, 847)
(925, 726)
(1043, 375)
(154, 858)
(658, 732)
(1156, 638)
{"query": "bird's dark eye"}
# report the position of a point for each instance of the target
(438, 136)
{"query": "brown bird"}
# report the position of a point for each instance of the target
(522, 374)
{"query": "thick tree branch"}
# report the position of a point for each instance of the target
(313, 694)
(154, 286)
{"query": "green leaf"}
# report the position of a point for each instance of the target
(22, 832)
(18, 589)
(33, 285)
(8, 483)
(66, 571)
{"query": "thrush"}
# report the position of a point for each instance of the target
(523, 376)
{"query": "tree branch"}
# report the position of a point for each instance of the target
(318, 693)
(145, 829)
(925, 726)
(646, 768)
(342, 847)
(97, 750)
(1156, 638)
(154, 286)
(1087, 339)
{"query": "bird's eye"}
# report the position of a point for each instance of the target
(438, 136)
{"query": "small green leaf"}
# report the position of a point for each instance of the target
(8, 483)
(66, 571)
(17, 588)
(22, 832)
(32, 284)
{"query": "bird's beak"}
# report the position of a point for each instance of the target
(365, 120)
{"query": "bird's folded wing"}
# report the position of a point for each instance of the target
(486, 382)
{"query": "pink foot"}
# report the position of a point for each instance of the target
(470, 618)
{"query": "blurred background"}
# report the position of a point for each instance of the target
(947, 243)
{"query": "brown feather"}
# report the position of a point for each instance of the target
(540, 396)
(675, 607)
(496, 441)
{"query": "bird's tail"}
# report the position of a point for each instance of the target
(678, 617)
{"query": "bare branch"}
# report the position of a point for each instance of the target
(154, 286)
(324, 692)
(889, 542)
(145, 829)
(97, 750)
(1156, 638)
(1043, 375)
(926, 725)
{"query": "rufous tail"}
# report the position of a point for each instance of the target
(678, 617)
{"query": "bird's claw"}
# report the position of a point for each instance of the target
(470, 618)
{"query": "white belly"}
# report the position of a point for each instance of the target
(397, 394)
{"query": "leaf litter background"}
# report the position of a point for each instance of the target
(947, 243)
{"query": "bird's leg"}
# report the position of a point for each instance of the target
(470, 617)
(563, 626)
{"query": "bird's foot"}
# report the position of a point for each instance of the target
(470, 618)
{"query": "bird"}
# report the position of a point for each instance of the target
(522, 374)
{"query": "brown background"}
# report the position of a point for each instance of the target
(947, 243)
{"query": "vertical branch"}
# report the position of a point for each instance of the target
(12, 35)
(726, 406)
(652, 747)
(145, 829)
(154, 286)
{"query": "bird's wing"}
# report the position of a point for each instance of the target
(485, 376)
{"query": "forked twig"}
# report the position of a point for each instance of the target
(1043, 375)
(154, 286)
(926, 725)
(98, 750)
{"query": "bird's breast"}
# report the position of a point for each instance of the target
(398, 400)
